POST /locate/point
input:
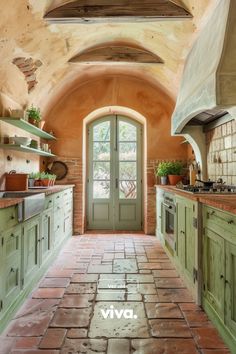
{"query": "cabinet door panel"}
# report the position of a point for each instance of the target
(214, 270)
(12, 242)
(231, 287)
(12, 281)
(189, 241)
(46, 235)
(31, 248)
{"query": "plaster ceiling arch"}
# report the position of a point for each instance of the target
(72, 83)
(117, 51)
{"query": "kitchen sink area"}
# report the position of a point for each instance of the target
(32, 203)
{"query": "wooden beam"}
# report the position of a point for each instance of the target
(117, 53)
(123, 10)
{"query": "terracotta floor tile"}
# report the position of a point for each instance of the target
(54, 283)
(166, 273)
(27, 342)
(208, 338)
(128, 272)
(174, 295)
(69, 318)
(164, 346)
(163, 310)
(84, 278)
(53, 339)
(170, 328)
(48, 293)
(80, 288)
(77, 333)
(169, 283)
(77, 301)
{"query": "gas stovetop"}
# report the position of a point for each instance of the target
(217, 189)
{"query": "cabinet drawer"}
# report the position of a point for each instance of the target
(220, 221)
(67, 195)
(8, 217)
(58, 199)
(12, 242)
(48, 202)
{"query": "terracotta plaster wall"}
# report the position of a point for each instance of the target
(67, 115)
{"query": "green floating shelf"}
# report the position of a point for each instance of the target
(26, 126)
(27, 149)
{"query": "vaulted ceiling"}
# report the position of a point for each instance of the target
(27, 37)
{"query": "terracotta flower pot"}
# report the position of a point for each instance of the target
(34, 122)
(46, 182)
(174, 179)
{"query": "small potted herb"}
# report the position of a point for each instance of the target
(34, 115)
(34, 176)
(175, 172)
(162, 171)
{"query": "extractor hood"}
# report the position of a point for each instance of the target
(208, 88)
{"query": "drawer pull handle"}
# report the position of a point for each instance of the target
(12, 270)
(12, 217)
(221, 277)
(58, 197)
(12, 235)
(230, 222)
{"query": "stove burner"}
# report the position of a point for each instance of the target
(217, 189)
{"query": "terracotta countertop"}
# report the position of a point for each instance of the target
(220, 201)
(7, 202)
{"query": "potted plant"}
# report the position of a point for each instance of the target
(175, 172)
(34, 115)
(162, 171)
(32, 178)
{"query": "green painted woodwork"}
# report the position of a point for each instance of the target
(26, 126)
(11, 265)
(186, 236)
(219, 271)
(46, 234)
(26, 149)
(214, 270)
(31, 240)
(230, 287)
(114, 183)
(8, 217)
(27, 249)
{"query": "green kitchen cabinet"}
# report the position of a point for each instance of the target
(160, 214)
(10, 266)
(31, 241)
(214, 270)
(46, 233)
(219, 271)
(230, 287)
(186, 239)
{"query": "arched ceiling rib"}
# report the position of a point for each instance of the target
(115, 10)
(116, 52)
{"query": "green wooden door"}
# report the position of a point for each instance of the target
(214, 270)
(114, 183)
(31, 242)
(230, 287)
(46, 235)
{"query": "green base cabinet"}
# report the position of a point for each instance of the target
(219, 271)
(31, 240)
(28, 248)
(187, 241)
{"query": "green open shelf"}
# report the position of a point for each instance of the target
(26, 126)
(24, 148)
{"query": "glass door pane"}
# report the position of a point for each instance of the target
(127, 148)
(101, 160)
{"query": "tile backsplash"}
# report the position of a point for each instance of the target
(221, 152)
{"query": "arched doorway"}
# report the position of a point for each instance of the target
(114, 183)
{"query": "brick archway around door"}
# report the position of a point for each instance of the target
(112, 94)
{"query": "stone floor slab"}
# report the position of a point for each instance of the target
(124, 327)
(125, 266)
(71, 318)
